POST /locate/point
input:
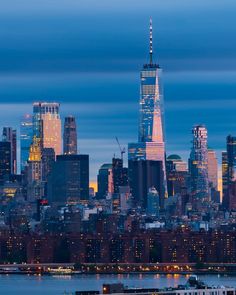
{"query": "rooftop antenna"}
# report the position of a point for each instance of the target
(150, 41)
(122, 150)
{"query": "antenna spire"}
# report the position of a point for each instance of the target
(150, 41)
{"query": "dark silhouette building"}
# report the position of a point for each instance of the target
(143, 175)
(9, 135)
(70, 136)
(69, 179)
(5, 160)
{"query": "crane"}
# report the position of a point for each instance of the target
(122, 150)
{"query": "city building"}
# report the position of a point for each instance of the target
(70, 136)
(26, 137)
(143, 175)
(177, 175)
(229, 172)
(212, 169)
(35, 186)
(198, 165)
(69, 179)
(119, 174)
(47, 125)
(153, 204)
(105, 181)
(5, 160)
(151, 140)
(9, 135)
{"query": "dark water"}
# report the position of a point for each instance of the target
(56, 285)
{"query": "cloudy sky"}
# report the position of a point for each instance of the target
(87, 55)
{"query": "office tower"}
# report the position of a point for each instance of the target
(69, 179)
(177, 174)
(5, 160)
(35, 186)
(151, 142)
(229, 172)
(70, 136)
(105, 181)
(9, 135)
(212, 169)
(47, 125)
(198, 164)
(153, 206)
(143, 175)
(26, 137)
(48, 159)
(119, 173)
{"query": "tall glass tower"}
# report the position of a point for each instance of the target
(198, 164)
(26, 137)
(151, 141)
(47, 125)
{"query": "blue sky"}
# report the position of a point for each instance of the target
(87, 55)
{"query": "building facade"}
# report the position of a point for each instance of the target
(9, 135)
(70, 136)
(47, 125)
(26, 137)
(198, 164)
(151, 141)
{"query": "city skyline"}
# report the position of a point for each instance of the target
(191, 73)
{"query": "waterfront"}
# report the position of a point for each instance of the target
(58, 285)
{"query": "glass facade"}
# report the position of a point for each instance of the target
(26, 137)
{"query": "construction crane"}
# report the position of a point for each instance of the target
(122, 150)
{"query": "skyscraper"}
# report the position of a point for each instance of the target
(26, 137)
(70, 136)
(5, 160)
(105, 181)
(151, 142)
(212, 169)
(47, 125)
(69, 179)
(229, 172)
(9, 135)
(35, 187)
(198, 164)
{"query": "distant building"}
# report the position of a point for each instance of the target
(105, 181)
(212, 169)
(144, 175)
(35, 187)
(26, 137)
(198, 164)
(47, 125)
(151, 139)
(70, 136)
(9, 135)
(5, 160)
(69, 179)
(229, 173)
(153, 203)
(119, 174)
(177, 174)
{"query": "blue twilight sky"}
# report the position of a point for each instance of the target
(87, 54)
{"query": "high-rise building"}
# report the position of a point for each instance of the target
(212, 169)
(26, 137)
(119, 173)
(153, 206)
(69, 179)
(35, 186)
(70, 136)
(177, 174)
(198, 164)
(5, 160)
(9, 135)
(47, 125)
(151, 141)
(143, 175)
(229, 172)
(105, 181)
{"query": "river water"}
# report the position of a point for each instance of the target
(58, 285)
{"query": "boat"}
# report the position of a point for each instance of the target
(194, 286)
